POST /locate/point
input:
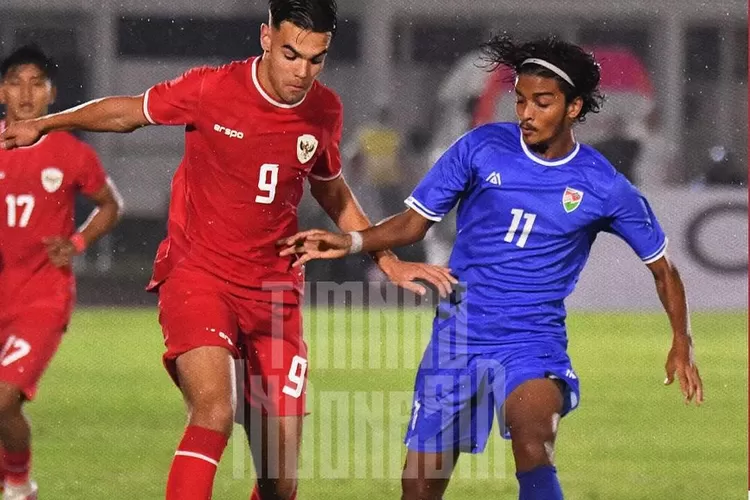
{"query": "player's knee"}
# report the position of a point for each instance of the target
(277, 489)
(534, 451)
(214, 415)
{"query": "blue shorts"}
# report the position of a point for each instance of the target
(457, 394)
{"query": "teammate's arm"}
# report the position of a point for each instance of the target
(102, 219)
(681, 359)
(109, 114)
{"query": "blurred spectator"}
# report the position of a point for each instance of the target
(655, 165)
(374, 157)
(619, 148)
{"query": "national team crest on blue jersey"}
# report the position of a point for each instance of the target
(571, 199)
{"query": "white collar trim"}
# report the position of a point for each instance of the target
(548, 163)
(263, 92)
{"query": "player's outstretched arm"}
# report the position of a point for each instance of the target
(398, 230)
(681, 360)
(109, 114)
(342, 207)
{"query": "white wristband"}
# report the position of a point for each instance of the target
(356, 242)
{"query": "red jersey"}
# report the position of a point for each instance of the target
(38, 185)
(242, 177)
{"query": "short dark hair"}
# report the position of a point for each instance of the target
(29, 54)
(318, 16)
(578, 64)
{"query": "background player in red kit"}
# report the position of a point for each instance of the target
(38, 185)
(255, 130)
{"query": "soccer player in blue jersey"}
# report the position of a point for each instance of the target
(531, 201)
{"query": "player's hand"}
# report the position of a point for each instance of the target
(60, 251)
(404, 273)
(19, 134)
(680, 362)
(315, 244)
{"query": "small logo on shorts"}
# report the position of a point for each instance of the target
(222, 335)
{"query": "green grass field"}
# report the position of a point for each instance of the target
(107, 418)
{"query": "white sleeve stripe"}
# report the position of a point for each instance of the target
(423, 207)
(656, 255)
(410, 203)
(145, 108)
(321, 178)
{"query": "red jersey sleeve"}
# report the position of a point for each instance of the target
(91, 175)
(175, 102)
(328, 165)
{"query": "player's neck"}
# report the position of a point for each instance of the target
(557, 148)
(265, 81)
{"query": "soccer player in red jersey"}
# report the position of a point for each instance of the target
(38, 185)
(254, 131)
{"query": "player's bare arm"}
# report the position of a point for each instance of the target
(680, 360)
(102, 219)
(342, 207)
(399, 230)
(109, 114)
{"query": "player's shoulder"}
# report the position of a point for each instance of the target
(499, 134)
(325, 99)
(220, 77)
(601, 174)
(595, 163)
(497, 138)
(323, 104)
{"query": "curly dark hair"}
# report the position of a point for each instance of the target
(579, 65)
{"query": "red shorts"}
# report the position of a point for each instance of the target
(28, 341)
(199, 310)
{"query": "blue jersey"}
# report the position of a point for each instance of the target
(525, 226)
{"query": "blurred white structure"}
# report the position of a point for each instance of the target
(403, 52)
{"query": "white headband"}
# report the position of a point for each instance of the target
(541, 62)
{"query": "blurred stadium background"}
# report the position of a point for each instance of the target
(675, 72)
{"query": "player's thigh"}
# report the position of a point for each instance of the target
(195, 313)
(276, 358)
(454, 405)
(27, 345)
(533, 404)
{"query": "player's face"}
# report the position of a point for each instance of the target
(295, 58)
(26, 92)
(543, 114)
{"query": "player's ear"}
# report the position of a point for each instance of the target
(52, 95)
(265, 37)
(574, 108)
